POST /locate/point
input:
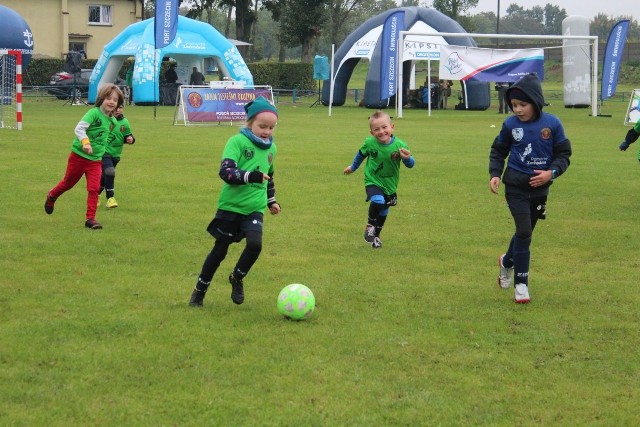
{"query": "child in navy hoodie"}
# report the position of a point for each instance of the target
(537, 152)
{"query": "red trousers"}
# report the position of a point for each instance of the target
(76, 167)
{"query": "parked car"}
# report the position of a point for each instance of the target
(63, 86)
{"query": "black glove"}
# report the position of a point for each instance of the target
(256, 176)
(624, 145)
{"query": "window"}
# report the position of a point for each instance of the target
(99, 15)
(77, 46)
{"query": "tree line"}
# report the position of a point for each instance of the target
(299, 29)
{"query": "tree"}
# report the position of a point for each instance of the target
(553, 17)
(245, 18)
(302, 23)
(339, 13)
(454, 9)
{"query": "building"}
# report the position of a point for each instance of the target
(60, 26)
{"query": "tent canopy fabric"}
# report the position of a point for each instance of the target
(194, 42)
(366, 42)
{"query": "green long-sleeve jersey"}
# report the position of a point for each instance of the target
(246, 198)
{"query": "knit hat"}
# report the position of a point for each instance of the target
(518, 94)
(259, 105)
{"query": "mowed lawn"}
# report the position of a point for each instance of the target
(95, 327)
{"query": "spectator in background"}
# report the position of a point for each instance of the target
(501, 88)
(445, 93)
(170, 76)
(197, 78)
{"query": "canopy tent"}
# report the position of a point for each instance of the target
(370, 41)
(194, 42)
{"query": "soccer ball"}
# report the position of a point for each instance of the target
(296, 302)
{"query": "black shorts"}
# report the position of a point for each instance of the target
(522, 204)
(234, 226)
(389, 199)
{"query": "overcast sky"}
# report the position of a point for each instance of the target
(588, 8)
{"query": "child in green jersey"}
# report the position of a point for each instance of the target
(92, 134)
(248, 189)
(384, 152)
(113, 152)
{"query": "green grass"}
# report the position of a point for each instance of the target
(96, 330)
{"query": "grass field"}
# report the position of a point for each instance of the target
(96, 329)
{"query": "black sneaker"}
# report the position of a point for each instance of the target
(49, 205)
(197, 297)
(93, 224)
(237, 289)
(369, 233)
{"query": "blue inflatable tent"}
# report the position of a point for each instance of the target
(194, 41)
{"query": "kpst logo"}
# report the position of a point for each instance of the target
(517, 134)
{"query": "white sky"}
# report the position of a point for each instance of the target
(587, 8)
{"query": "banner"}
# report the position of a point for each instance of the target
(612, 57)
(388, 68)
(633, 112)
(489, 65)
(166, 22)
(200, 104)
(321, 69)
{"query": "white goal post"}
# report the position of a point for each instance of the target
(593, 41)
(10, 89)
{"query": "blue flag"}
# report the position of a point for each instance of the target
(612, 58)
(166, 22)
(389, 69)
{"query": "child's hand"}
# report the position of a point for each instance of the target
(274, 209)
(540, 178)
(404, 153)
(87, 148)
(128, 140)
(347, 170)
(494, 184)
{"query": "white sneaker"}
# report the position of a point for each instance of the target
(369, 234)
(506, 274)
(522, 294)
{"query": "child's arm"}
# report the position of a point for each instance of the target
(274, 207)
(81, 134)
(357, 161)
(631, 137)
(230, 174)
(407, 158)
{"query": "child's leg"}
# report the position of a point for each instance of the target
(93, 173)
(75, 170)
(109, 174)
(521, 243)
(211, 263)
(249, 255)
(507, 260)
(378, 212)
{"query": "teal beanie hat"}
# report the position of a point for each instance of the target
(259, 105)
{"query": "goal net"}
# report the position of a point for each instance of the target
(10, 89)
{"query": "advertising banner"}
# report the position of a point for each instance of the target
(389, 69)
(166, 22)
(633, 112)
(612, 57)
(489, 65)
(200, 104)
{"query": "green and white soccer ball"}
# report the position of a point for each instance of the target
(296, 302)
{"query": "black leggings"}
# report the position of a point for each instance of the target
(248, 257)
